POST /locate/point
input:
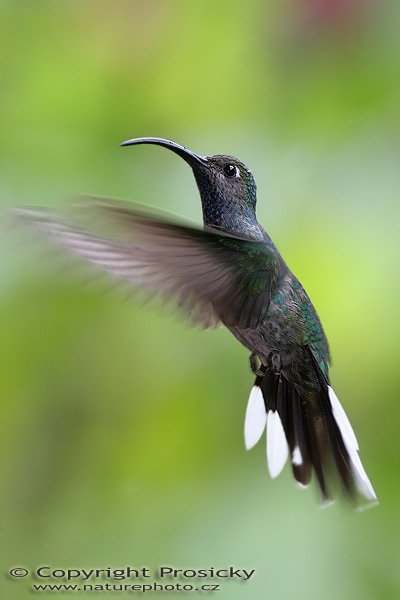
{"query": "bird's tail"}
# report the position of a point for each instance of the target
(314, 431)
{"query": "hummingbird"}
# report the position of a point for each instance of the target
(230, 273)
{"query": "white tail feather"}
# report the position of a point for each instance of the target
(342, 420)
(364, 485)
(256, 418)
(277, 447)
(297, 458)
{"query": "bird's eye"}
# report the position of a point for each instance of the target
(231, 170)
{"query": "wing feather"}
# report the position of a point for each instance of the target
(213, 276)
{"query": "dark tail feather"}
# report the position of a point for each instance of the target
(318, 450)
(301, 445)
(313, 429)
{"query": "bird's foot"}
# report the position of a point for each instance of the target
(256, 365)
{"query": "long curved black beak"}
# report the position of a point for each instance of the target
(187, 155)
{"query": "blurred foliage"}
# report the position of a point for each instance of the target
(122, 428)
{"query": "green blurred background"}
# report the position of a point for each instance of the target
(121, 426)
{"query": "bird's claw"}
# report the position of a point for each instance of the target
(256, 365)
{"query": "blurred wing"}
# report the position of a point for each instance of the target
(213, 276)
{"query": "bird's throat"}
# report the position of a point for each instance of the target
(221, 213)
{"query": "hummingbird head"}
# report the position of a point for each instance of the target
(227, 188)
